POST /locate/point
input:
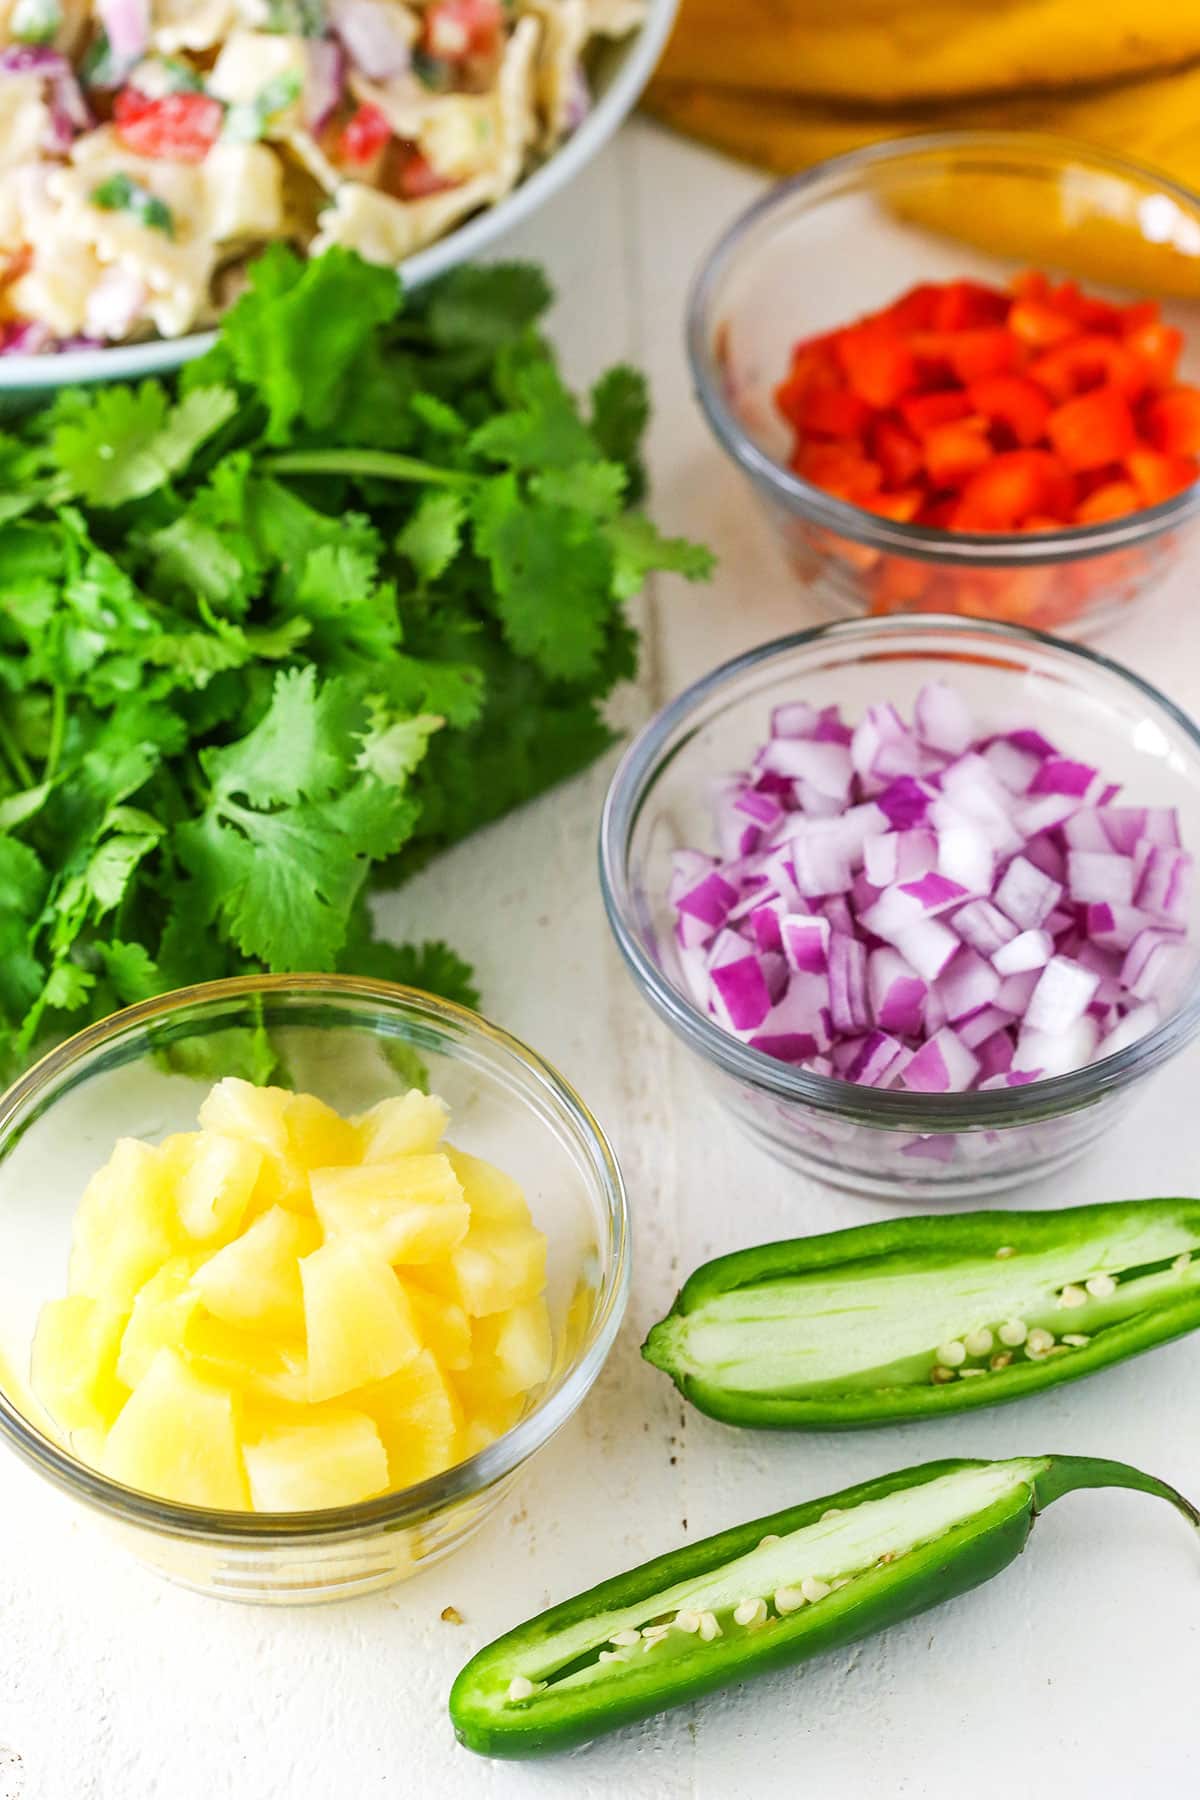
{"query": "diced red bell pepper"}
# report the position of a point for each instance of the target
(173, 128)
(1172, 421)
(457, 30)
(840, 469)
(364, 134)
(1039, 324)
(1093, 429)
(922, 412)
(1014, 485)
(1157, 348)
(878, 362)
(915, 310)
(832, 412)
(1013, 401)
(1157, 476)
(953, 450)
(413, 176)
(1089, 312)
(897, 452)
(1082, 363)
(967, 305)
(902, 507)
(1114, 500)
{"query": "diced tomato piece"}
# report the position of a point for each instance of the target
(1157, 476)
(974, 354)
(832, 412)
(1039, 324)
(967, 305)
(953, 451)
(1014, 485)
(1042, 522)
(813, 365)
(1014, 402)
(878, 362)
(840, 469)
(1093, 429)
(1083, 363)
(899, 581)
(1172, 421)
(364, 134)
(173, 128)
(1031, 284)
(1112, 501)
(897, 452)
(922, 412)
(414, 176)
(457, 30)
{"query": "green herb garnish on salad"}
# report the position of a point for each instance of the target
(121, 193)
(349, 590)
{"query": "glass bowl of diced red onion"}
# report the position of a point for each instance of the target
(918, 893)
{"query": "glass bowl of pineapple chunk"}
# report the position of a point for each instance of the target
(296, 1273)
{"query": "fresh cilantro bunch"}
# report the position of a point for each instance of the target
(348, 590)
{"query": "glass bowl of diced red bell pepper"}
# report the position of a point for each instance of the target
(962, 373)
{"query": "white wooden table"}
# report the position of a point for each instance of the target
(1077, 1670)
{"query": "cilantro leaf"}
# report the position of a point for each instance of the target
(432, 535)
(131, 441)
(301, 747)
(639, 548)
(620, 414)
(553, 578)
(483, 309)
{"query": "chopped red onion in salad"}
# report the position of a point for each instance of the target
(929, 908)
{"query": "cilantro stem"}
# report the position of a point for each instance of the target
(13, 751)
(384, 463)
(58, 721)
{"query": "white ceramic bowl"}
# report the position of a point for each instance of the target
(621, 71)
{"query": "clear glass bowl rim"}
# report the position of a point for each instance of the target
(407, 1506)
(970, 549)
(656, 746)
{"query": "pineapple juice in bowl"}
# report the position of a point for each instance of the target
(349, 1044)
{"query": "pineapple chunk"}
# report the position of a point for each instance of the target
(124, 1229)
(494, 1197)
(255, 1280)
(176, 1437)
(522, 1346)
(74, 1362)
(215, 1176)
(236, 1108)
(486, 1427)
(419, 1416)
(359, 1320)
(444, 1326)
(408, 1125)
(159, 1317)
(409, 1210)
(248, 1362)
(331, 1460)
(316, 1135)
(497, 1266)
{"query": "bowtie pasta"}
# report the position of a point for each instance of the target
(148, 147)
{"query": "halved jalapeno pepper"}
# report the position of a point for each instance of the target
(773, 1592)
(915, 1317)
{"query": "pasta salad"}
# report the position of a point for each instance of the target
(149, 147)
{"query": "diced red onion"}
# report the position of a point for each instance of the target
(326, 81)
(1025, 895)
(983, 926)
(943, 1065)
(1097, 875)
(126, 26)
(968, 984)
(924, 908)
(374, 42)
(1028, 950)
(943, 718)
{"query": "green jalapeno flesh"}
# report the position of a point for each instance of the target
(761, 1596)
(916, 1317)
